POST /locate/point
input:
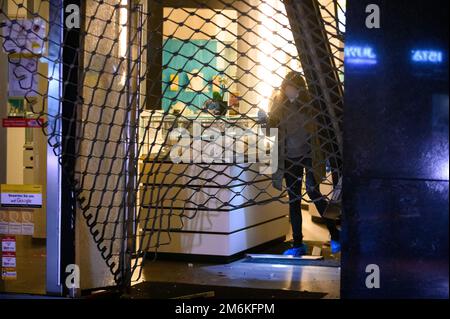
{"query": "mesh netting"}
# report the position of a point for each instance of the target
(174, 105)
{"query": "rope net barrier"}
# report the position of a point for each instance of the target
(181, 108)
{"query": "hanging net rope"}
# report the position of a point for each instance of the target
(174, 108)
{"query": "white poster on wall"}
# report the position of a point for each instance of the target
(23, 77)
(24, 36)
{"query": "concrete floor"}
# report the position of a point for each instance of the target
(251, 275)
(248, 275)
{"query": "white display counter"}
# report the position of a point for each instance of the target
(229, 213)
(214, 209)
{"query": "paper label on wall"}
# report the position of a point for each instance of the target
(16, 223)
(9, 244)
(4, 228)
(27, 223)
(4, 222)
(24, 36)
(8, 260)
(21, 196)
(28, 229)
(23, 77)
(9, 274)
(15, 229)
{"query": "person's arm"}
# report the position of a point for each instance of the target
(273, 120)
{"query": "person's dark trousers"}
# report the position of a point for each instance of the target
(336, 169)
(293, 176)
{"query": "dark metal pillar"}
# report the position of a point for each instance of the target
(71, 101)
(396, 183)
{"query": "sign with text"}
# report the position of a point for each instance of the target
(22, 123)
(21, 196)
(8, 259)
(9, 244)
(9, 274)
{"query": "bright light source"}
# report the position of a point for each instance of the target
(341, 15)
(274, 50)
(427, 56)
(362, 55)
(123, 20)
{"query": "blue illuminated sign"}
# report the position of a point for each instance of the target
(363, 55)
(427, 56)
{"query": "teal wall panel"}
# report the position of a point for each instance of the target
(182, 57)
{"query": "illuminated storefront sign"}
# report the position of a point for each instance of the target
(427, 56)
(360, 55)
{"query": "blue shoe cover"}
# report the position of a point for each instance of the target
(296, 251)
(335, 247)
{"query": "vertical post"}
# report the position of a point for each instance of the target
(154, 54)
(3, 114)
(70, 103)
(131, 152)
(395, 238)
(3, 110)
(55, 36)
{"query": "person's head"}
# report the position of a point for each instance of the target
(293, 85)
